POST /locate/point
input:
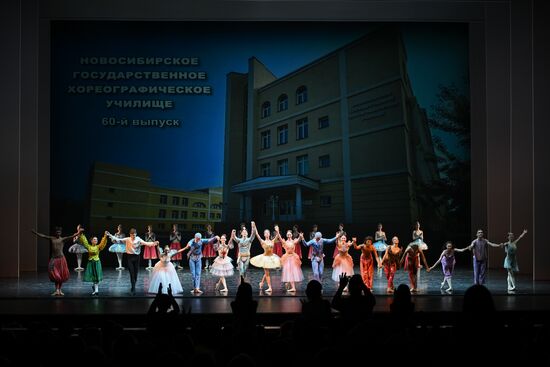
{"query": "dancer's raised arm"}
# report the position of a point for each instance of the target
(41, 235)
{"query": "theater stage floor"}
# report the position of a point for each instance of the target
(30, 294)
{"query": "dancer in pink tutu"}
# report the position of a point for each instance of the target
(366, 262)
(222, 265)
(340, 232)
(208, 251)
(290, 261)
(343, 263)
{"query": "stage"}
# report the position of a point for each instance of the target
(30, 294)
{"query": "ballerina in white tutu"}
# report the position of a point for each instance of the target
(78, 250)
(222, 265)
(268, 260)
(165, 273)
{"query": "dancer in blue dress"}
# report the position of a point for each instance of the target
(511, 261)
(118, 248)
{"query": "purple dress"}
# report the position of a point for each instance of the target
(448, 263)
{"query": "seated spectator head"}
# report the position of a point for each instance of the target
(478, 300)
(314, 290)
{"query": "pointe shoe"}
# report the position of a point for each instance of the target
(449, 290)
(389, 290)
(198, 291)
(292, 290)
(414, 290)
(223, 290)
(55, 293)
(442, 285)
(268, 290)
(61, 293)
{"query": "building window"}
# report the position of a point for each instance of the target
(184, 214)
(162, 213)
(160, 226)
(175, 200)
(282, 167)
(323, 122)
(203, 215)
(282, 134)
(199, 204)
(164, 199)
(265, 169)
(301, 95)
(184, 201)
(266, 139)
(111, 190)
(326, 201)
(212, 216)
(175, 214)
(110, 205)
(266, 109)
(218, 216)
(301, 129)
(282, 103)
(302, 165)
(216, 206)
(198, 227)
(286, 207)
(324, 161)
(195, 214)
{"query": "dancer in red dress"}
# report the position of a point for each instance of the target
(278, 242)
(175, 244)
(366, 261)
(411, 258)
(390, 261)
(150, 253)
(208, 251)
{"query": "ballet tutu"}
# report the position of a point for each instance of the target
(511, 263)
(77, 248)
(149, 252)
(380, 246)
(94, 272)
(58, 271)
(421, 244)
(222, 267)
(292, 270)
(342, 264)
(208, 250)
(176, 246)
(118, 248)
(266, 262)
(165, 273)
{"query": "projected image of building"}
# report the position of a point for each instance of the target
(123, 195)
(339, 139)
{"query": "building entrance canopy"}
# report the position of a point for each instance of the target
(275, 182)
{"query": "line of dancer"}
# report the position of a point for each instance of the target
(373, 250)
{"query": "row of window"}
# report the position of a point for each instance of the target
(202, 205)
(288, 207)
(176, 200)
(161, 226)
(302, 165)
(282, 101)
(302, 132)
(176, 214)
(194, 227)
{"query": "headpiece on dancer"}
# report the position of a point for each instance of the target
(198, 235)
(318, 235)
